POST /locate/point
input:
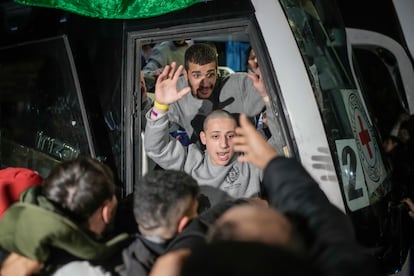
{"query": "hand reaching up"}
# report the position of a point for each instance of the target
(410, 204)
(250, 142)
(258, 82)
(166, 86)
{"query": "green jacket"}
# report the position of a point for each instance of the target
(33, 226)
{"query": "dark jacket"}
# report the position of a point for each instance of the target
(35, 228)
(333, 249)
(327, 233)
(140, 256)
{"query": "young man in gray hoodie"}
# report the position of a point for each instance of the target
(216, 169)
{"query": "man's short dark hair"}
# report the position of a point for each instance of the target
(219, 114)
(79, 186)
(201, 54)
(161, 197)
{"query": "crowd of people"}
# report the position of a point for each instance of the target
(229, 203)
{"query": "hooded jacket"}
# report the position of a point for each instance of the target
(34, 227)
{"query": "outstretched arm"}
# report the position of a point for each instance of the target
(166, 89)
(250, 142)
(289, 188)
(258, 83)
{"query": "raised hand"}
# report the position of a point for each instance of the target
(250, 142)
(258, 82)
(17, 265)
(166, 87)
(410, 204)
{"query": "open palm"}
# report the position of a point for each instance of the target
(166, 86)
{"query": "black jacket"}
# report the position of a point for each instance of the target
(333, 249)
(140, 256)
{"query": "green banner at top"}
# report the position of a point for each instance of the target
(114, 9)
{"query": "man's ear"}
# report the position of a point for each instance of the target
(182, 223)
(108, 210)
(203, 137)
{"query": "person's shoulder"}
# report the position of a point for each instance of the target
(237, 76)
(136, 244)
(194, 149)
(163, 45)
(196, 158)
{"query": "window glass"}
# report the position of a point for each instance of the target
(40, 117)
(321, 38)
(380, 81)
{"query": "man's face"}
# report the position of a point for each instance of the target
(218, 139)
(202, 79)
(252, 61)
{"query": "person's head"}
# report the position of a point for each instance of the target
(217, 135)
(252, 64)
(200, 63)
(254, 223)
(406, 132)
(84, 188)
(164, 202)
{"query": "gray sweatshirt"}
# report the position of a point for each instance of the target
(218, 183)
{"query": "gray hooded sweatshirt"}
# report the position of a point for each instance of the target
(218, 183)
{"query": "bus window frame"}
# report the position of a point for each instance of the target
(200, 31)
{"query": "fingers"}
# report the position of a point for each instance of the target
(239, 131)
(241, 148)
(177, 73)
(169, 71)
(258, 72)
(164, 73)
(410, 203)
(183, 91)
(242, 158)
(239, 139)
(172, 70)
(247, 129)
(253, 77)
(245, 123)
